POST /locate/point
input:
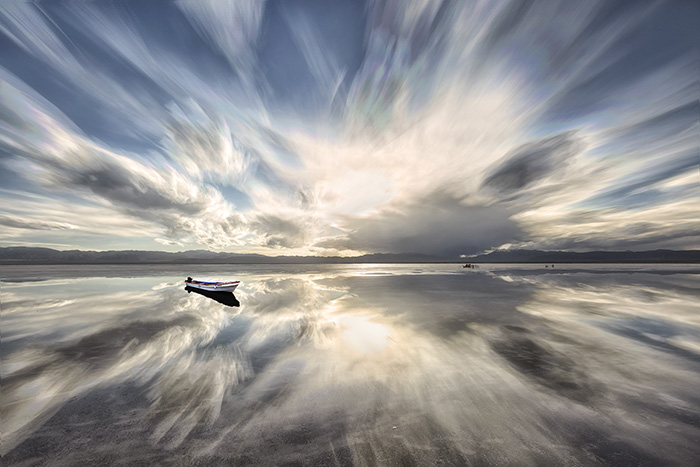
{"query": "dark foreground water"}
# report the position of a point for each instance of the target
(352, 365)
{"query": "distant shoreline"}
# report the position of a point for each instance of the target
(46, 263)
(47, 256)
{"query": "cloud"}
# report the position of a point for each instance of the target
(321, 62)
(19, 223)
(674, 222)
(204, 147)
(438, 224)
(533, 162)
(29, 27)
(232, 27)
(280, 232)
(168, 242)
(63, 160)
(89, 219)
(642, 47)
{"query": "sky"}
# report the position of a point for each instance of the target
(344, 127)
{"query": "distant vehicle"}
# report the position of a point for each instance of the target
(212, 286)
(468, 265)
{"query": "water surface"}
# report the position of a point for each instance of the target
(420, 364)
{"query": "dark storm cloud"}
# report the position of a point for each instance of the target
(437, 224)
(280, 232)
(533, 162)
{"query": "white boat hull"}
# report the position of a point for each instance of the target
(223, 287)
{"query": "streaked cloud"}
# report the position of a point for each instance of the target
(20, 223)
(533, 162)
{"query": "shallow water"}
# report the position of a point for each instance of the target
(420, 364)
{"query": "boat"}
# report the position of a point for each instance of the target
(212, 286)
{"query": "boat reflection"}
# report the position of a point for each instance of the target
(225, 298)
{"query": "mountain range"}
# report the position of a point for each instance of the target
(35, 255)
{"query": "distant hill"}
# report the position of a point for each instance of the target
(32, 255)
(538, 256)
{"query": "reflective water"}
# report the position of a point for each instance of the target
(352, 365)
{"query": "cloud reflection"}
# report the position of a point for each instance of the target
(366, 363)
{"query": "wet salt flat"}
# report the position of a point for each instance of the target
(421, 364)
